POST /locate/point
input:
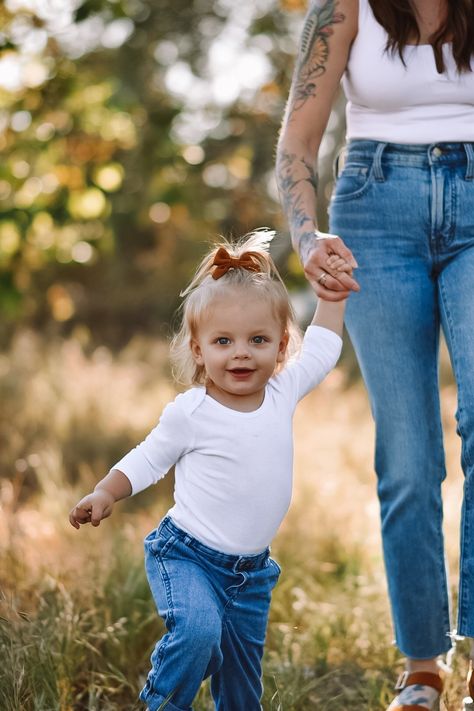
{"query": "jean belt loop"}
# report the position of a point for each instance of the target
(378, 171)
(469, 148)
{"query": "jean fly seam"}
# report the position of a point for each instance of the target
(232, 598)
(437, 211)
(465, 532)
(454, 206)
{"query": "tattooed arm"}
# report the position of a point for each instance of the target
(329, 29)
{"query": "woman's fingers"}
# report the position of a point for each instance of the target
(321, 268)
(338, 247)
(327, 287)
(330, 280)
(328, 294)
(330, 283)
(344, 280)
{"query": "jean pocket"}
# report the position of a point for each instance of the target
(353, 182)
(159, 543)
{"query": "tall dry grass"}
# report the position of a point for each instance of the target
(77, 621)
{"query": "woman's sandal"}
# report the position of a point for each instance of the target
(434, 681)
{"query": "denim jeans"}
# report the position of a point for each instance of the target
(407, 214)
(215, 607)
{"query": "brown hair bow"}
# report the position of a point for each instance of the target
(223, 262)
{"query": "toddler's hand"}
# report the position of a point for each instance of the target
(92, 508)
(339, 264)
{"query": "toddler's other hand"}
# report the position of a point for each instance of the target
(92, 508)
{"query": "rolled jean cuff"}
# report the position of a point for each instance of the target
(157, 701)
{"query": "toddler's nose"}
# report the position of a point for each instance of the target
(241, 352)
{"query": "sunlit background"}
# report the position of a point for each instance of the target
(132, 132)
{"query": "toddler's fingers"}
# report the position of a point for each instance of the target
(81, 513)
(97, 514)
(338, 264)
(100, 511)
(73, 521)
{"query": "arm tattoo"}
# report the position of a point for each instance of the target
(292, 198)
(314, 50)
(314, 53)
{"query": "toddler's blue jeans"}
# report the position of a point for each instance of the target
(215, 607)
(407, 214)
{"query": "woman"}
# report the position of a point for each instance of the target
(403, 207)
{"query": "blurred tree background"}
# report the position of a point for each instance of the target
(132, 132)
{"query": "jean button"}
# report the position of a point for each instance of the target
(437, 152)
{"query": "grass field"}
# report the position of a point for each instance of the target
(77, 621)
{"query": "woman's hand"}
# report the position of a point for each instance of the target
(328, 266)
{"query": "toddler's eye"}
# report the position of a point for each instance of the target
(223, 341)
(259, 339)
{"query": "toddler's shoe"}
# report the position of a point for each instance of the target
(418, 691)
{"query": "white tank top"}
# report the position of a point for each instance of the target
(397, 104)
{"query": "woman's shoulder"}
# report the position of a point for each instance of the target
(351, 10)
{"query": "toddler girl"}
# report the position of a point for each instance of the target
(230, 436)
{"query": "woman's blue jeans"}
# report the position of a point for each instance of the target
(407, 214)
(215, 607)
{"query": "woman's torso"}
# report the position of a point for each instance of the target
(390, 102)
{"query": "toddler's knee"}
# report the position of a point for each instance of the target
(201, 636)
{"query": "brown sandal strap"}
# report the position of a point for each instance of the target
(424, 678)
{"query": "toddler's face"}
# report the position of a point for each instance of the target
(239, 342)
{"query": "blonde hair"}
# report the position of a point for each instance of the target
(205, 287)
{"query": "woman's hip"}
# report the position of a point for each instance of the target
(408, 207)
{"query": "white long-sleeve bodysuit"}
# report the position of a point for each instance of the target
(233, 476)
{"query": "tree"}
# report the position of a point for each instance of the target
(133, 132)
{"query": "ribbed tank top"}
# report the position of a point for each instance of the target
(387, 101)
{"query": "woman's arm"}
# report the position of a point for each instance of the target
(329, 29)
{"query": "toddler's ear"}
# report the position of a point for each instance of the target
(282, 347)
(196, 351)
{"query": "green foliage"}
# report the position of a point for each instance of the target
(126, 149)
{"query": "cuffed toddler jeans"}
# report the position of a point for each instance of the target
(215, 607)
(407, 214)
